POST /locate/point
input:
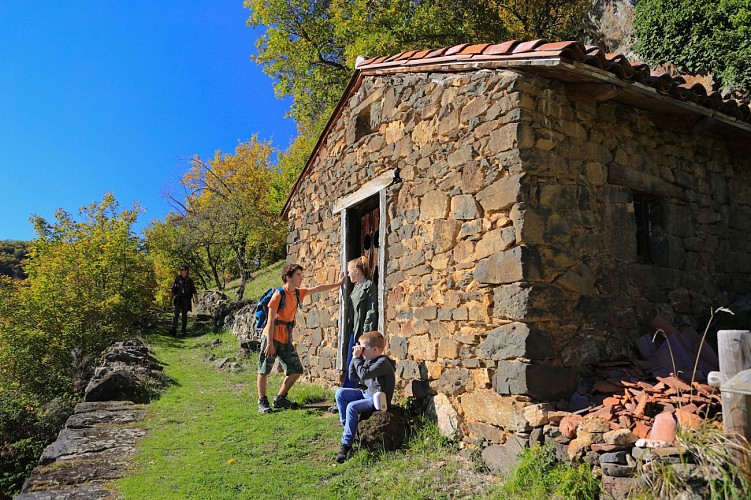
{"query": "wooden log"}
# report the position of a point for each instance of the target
(734, 349)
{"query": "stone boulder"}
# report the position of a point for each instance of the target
(210, 302)
(240, 320)
(127, 373)
(93, 449)
(383, 430)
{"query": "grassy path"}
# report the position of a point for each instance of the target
(205, 439)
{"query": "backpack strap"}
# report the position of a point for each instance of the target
(289, 324)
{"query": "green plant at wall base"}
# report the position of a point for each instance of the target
(716, 462)
(540, 475)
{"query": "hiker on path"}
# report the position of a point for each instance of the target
(276, 339)
(363, 309)
(375, 371)
(182, 294)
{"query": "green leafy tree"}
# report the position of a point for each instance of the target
(230, 213)
(310, 46)
(12, 254)
(89, 282)
(698, 37)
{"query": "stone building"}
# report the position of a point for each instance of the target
(528, 207)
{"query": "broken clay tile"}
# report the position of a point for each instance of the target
(611, 400)
(690, 408)
(641, 430)
(642, 400)
(705, 389)
(687, 420)
(569, 425)
(606, 387)
(663, 428)
(605, 412)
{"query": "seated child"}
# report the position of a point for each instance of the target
(370, 367)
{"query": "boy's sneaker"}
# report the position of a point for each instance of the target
(281, 402)
(263, 405)
(343, 453)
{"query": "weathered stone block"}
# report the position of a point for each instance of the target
(517, 340)
(434, 205)
(445, 234)
(520, 263)
(502, 459)
(422, 348)
(580, 280)
(448, 348)
(529, 224)
(464, 207)
(407, 369)
(447, 416)
(491, 408)
(453, 381)
(487, 432)
(494, 241)
(542, 382)
(503, 193)
(398, 347)
(529, 303)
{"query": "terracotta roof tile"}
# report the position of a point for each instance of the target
(501, 48)
(455, 49)
(436, 52)
(568, 51)
(406, 55)
(529, 46)
(475, 49)
(421, 54)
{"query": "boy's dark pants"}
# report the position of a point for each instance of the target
(182, 306)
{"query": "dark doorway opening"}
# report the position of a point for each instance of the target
(363, 235)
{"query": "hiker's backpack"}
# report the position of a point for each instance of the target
(261, 312)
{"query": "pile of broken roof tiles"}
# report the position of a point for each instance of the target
(627, 418)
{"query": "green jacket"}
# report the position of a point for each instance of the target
(363, 311)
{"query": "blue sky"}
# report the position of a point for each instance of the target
(104, 96)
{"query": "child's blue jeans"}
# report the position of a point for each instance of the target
(351, 403)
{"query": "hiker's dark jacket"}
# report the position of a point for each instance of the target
(376, 374)
(183, 290)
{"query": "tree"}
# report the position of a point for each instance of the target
(698, 37)
(231, 207)
(12, 253)
(552, 19)
(310, 46)
(89, 283)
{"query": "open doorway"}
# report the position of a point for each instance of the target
(361, 237)
(363, 233)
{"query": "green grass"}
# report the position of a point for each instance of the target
(205, 439)
(540, 475)
(268, 277)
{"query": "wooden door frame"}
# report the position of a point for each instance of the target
(345, 206)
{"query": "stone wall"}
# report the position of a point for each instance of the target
(511, 259)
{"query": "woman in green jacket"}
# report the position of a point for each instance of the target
(363, 307)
